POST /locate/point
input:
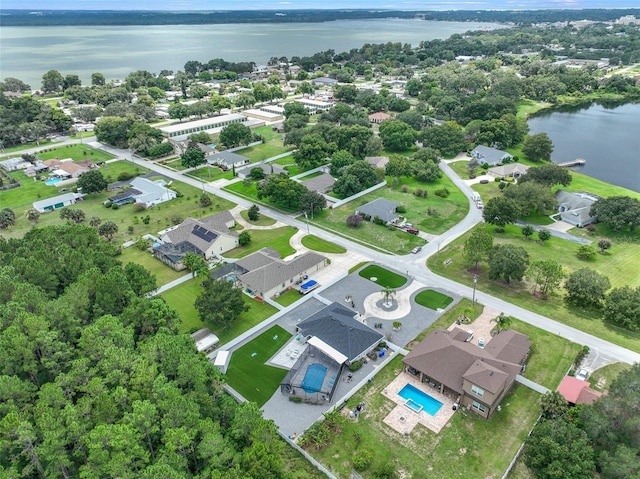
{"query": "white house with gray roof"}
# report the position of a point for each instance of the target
(57, 202)
(380, 207)
(575, 208)
(490, 156)
(227, 160)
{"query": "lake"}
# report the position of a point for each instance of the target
(607, 137)
(115, 51)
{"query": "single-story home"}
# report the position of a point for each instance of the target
(267, 169)
(515, 170)
(479, 378)
(379, 117)
(315, 106)
(206, 237)
(320, 184)
(490, 156)
(377, 161)
(36, 169)
(575, 208)
(381, 208)
(576, 391)
(147, 192)
(13, 164)
(205, 340)
(57, 202)
(324, 81)
(265, 275)
(227, 160)
(337, 326)
(67, 168)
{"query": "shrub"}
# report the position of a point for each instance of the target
(125, 175)
(115, 206)
(176, 220)
(354, 220)
(591, 228)
(130, 229)
(405, 189)
(378, 221)
(108, 204)
(484, 182)
(586, 252)
(295, 399)
(401, 209)
(502, 186)
(354, 366)
(146, 219)
(498, 179)
(580, 356)
(442, 192)
(139, 207)
(362, 459)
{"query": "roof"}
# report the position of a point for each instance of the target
(575, 208)
(204, 339)
(577, 392)
(201, 233)
(377, 161)
(267, 168)
(509, 169)
(319, 183)
(325, 80)
(380, 115)
(333, 353)
(227, 157)
(336, 326)
(216, 120)
(274, 271)
(444, 357)
(493, 156)
(382, 208)
(42, 204)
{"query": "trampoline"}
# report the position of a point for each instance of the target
(314, 377)
(309, 285)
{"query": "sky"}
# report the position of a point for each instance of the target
(173, 5)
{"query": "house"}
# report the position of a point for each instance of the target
(377, 161)
(337, 326)
(205, 340)
(490, 156)
(575, 208)
(324, 81)
(315, 106)
(227, 160)
(515, 170)
(67, 168)
(265, 275)
(144, 191)
(479, 378)
(379, 117)
(576, 391)
(207, 237)
(36, 169)
(267, 169)
(13, 164)
(379, 208)
(320, 184)
(57, 202)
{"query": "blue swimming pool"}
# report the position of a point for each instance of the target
(52, 181)
(417, 400)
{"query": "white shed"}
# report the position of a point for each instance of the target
(222, 360)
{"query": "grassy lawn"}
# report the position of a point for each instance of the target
(76, 152)
(288, 297)
(183, 297)
(527, 107)
(433, 300)
(249, 192)
(261, 221)
(620, 267)
(264, 151)
(22, 147)
(383, 277)
(276, 238)
(318, 244)
(290, 165)
(602, 378)
(211, 173)
(249, 375)
(163, 273)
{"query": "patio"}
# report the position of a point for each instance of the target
(481, 326)
(403, 419)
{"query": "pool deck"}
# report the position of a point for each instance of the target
(403, 419)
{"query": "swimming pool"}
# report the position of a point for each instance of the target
(52, 181)
(419, 401)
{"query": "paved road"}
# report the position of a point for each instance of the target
(414, 265)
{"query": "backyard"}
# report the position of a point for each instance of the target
(276, 238)
(382, 276)
(318, 244)
(163, 273)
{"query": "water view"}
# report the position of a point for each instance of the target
(607, 137)
(115, 51)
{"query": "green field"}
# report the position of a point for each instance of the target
(261, 221)
(182, 298)
(276, 238)
(288, 297)
(602, 378)
(76, 152)
(250, 192)
(249, 375)
(620, 267)
(318, 244)
(163, 273)
(433, 300)
(383, 277)
(210, 173)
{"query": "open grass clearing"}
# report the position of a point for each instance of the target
(76, 152)
(7, 151)
(163, 273)
(261, 221)
(211, 173)
(433, 299)
(318, 244)
(382, 276)
(288, 297)
(249, 375)
(276, 238)
(620, 267)
(264, 151)
(183, 297)
(602, 378)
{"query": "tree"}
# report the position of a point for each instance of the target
(558, 449)
(617, 212)
(586, 252)
(52, 81)
(478, 246)
(92, 182)
(398, 166)
(508, 262)
(114, 131)
(281, 190)
(604, 244)
(312, 203)
(140, 279)
(253, 213)
(548, 175)
(339, 160)
(354, 220)
(245, 100)
(427, 172)
(313, 151)
(544, 235)
(537, 147)
(397, 135)
(532, 196)
(244, 238)
(179, 110)
(586, 287)
(500, 211)
(502, 322)
(388, 294)
(71, 80)
(33, 215)
(108, 229)
(527, 231)
(622, 308)
(546, 274)
(447, 138)
(553, 405)
(235, 134)
(196, 264)
(192, 157)
(220, 303)
(97, 79)
(7, 218)
(205, 200)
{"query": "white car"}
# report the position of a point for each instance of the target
(582, 375)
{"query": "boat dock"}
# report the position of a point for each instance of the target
(576, 162)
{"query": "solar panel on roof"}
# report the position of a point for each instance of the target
(204, 233)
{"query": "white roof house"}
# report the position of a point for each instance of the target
(57, 202)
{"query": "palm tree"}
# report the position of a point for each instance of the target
(387, 295)
(502, 322)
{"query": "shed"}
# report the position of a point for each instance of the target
(222, 361)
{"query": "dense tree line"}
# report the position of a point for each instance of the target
(96, 382)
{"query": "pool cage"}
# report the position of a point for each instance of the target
(305, 379)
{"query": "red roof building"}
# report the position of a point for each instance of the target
(576, 391)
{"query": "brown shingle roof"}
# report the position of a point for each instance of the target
(486, 376)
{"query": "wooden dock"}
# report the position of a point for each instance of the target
(576, 162)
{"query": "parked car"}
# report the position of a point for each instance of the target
(481, 343)
(416, 250)
(413, 231)
(582, 375)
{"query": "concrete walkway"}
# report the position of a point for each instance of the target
(531, 385)
(402, 303)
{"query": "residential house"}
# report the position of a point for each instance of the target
(514, 170)
(576, 391)
(324, 81)
(575, 208)
(379, 208)
(315, 106)
(227, 160)
(379, 117)
(208, 237)
(144, 191)
(267, 169)
(490, 156)
(67, 168)
(57, 202)
(205, 340)
(36, 169)
(13, 164)
(377, 161)
(320, 184)
(478, 378)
